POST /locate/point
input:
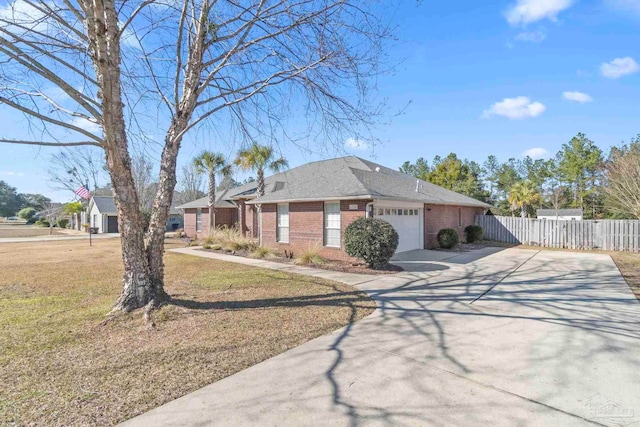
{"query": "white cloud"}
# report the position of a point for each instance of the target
(519, 107)
(356, 144)
(86, 125)
(528, 11)
(11, 173)
(576, 96)
(536, 153)
(619, 67)
(531, 36)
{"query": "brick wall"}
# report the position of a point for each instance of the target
(306, 226)
(224, 216)
(437, 217)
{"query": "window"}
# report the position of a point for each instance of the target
(282, 231)
(95, 220)
(380, 212)
(332, 224)
(459, 217)
(198, 219)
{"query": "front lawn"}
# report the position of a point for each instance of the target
(60, 366)
(14, 231)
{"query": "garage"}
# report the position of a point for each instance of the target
(112, 224)
(407, 221)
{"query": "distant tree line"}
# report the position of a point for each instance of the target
(11, 202)
(579, 176)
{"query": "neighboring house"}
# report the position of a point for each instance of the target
(561, 214)
(103, 215)
(314, 203)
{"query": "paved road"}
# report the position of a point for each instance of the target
(510, 337)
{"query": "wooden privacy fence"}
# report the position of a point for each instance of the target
(606, 234)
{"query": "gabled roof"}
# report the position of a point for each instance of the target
(342, 178)
(559, 212)
(106, 205)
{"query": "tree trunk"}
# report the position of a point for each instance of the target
(212, 200)
(167, 176)
(260, 173)
(102, 26)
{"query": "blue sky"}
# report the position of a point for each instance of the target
(479, 78)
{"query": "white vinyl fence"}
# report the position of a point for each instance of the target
(606, 234)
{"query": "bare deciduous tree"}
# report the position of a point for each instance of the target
(71, 168)
(189, 185)
(243, 65)
(623, 179)
(142, 169)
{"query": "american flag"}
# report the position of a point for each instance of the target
(83, 192)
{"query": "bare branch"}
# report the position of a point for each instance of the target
(51, 144)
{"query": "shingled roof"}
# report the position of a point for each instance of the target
(342, 178)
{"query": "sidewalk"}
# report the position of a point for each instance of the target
(56, 238)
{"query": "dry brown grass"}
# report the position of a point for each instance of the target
(58, 366)
(629, 266)
(17, 231)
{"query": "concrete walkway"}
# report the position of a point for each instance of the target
(515, 337)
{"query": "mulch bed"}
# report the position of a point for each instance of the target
(467, 247)
(333, 265)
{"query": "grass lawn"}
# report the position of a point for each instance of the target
(60, 366)
(25, 231)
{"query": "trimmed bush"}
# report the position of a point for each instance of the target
(473, 233)
(371, 239)
(447, 238)
(62, 223)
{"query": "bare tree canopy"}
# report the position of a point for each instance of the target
(71, 168)
(623, 179)
(108, 73)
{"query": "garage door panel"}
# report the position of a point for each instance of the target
(406, 222)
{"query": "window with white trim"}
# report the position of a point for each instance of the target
(332, 224)
(282, 230)
(199, 219)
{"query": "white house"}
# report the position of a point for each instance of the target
(103, 214)
(560, 214)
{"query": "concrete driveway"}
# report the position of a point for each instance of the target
(501, 337)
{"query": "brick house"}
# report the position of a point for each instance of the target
(313, 204)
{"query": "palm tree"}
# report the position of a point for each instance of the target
(212, 164)
(260, 158)
(523, 195)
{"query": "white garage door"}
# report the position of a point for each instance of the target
(406, 221)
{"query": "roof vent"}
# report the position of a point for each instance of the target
(417, 185)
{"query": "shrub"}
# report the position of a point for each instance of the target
(27, 213)
(206, 246)
(62, 223)
(473, 233)
(42, 222)
(310, 256)
(262, 252)
(371, 239)
(447, 238)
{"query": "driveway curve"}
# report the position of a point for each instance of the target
(507, 337)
